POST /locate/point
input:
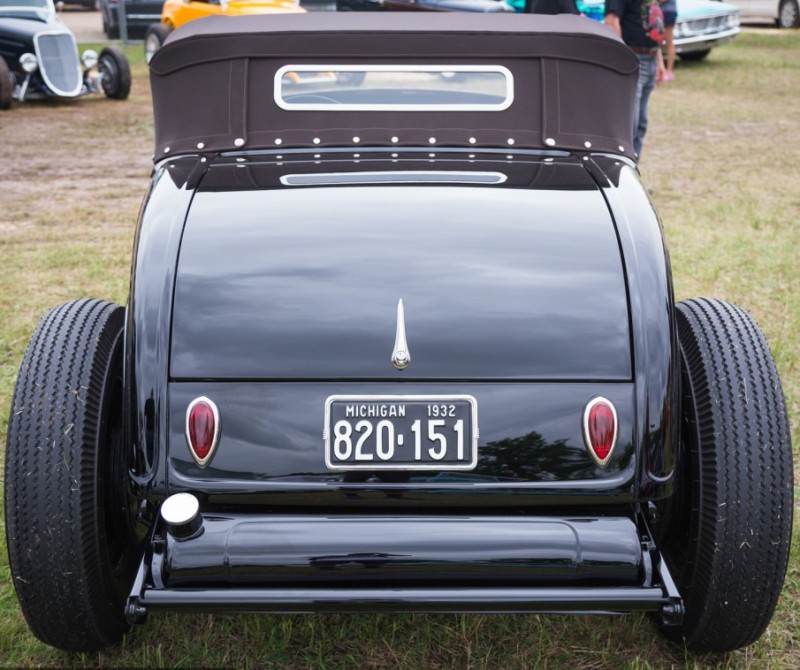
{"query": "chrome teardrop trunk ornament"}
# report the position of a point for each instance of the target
(401, 356)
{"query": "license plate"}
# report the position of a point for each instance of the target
(401, 432)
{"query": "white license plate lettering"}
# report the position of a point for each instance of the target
(442, 410)
(364, 429)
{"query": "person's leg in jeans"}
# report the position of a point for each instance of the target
(646, 84)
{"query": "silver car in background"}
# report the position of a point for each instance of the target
(785, 13)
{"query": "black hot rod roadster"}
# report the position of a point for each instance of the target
(39, 58)
(408, 344)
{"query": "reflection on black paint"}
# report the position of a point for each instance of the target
(533, 458)
(272, 438)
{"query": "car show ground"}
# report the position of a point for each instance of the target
(724, 137)
(87, 26)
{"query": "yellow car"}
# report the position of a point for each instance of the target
(177, 12)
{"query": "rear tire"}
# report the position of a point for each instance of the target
(726, 533)
(68, 525)
(116, 72)
(154, 39)
(6, 85)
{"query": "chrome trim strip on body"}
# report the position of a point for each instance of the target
(712, 38)
(394, 107)
(43, 70)
(398, 177)
(373, 465)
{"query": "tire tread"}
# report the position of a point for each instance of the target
(51, 463)
(745, 502)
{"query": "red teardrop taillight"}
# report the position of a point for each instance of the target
(202, 429)
(600, 429)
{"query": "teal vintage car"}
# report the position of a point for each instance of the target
(701, 25)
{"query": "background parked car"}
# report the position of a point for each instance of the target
(86, 4)
(177, 12)
(785, 12)
(139, 16)
(425, 5)
(39, 58)
(701, 25)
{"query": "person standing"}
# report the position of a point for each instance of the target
(636, 22)
(670, 9)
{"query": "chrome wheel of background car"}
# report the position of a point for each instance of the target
(726, 533)
(788, 14)
(154, 38)
(116, 73)
(6, 85)
(71, 551)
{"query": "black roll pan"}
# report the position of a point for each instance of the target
(417, 550)
(259, 563)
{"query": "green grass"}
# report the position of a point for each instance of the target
(721, 157)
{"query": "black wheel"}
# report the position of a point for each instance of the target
(788, 14)
(68, 520)
(694, 56)
(116, 73)
(154, 38)
(726, 532)
(6, 85)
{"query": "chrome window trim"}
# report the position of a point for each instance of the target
(388, 107)
(43, 70)
(395, 177)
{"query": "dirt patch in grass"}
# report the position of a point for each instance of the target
(91, 151)
(72, 179)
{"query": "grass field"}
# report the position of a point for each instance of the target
(722, 159)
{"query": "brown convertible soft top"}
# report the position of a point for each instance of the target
(213, 82)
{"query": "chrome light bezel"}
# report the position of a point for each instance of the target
(202, 462)
(89, 59)
(28, 62)
(597, 400)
